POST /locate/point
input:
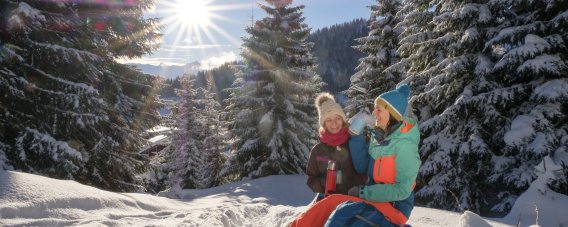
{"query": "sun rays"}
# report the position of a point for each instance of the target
(195, 23)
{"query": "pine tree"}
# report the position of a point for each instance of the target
(212, 143)
(68, 109)
(381, 45)
(480, 72)
(457, 137)
(270, 107)
(532, 94)
(416, 28)
(186, 158)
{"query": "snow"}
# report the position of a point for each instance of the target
(470, 35)
(53, 146)
(7, 51)
(158, 129)
(484, 14)
(544, 63)
(24, 10)
(534, 45)
(157, 138)
(27, 199)
(540, 205)
(554, 89)
(82, 86)
(560, 17)
(29, 11)
(265, 123)
(521, 128)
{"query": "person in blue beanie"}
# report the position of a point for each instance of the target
(391, 158)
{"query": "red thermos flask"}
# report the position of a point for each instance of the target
(330, 181)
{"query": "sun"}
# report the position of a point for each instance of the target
(193, 25)
(193, 13)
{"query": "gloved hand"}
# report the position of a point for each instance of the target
(378, 134)
(354, 191)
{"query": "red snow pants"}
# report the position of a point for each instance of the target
(318, 214)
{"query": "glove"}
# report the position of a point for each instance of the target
(354, 191)
(378, 134)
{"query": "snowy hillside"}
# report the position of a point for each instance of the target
(27, 199)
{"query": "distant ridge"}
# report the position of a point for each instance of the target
(169, 71)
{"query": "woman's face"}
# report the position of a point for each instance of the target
(333, 124)
(382, 117)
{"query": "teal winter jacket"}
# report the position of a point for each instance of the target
(391, 165)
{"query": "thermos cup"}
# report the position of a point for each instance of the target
(360, 121)
(357, 125)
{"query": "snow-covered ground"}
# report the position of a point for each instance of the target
(31, 200)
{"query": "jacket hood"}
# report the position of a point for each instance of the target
(407, 130)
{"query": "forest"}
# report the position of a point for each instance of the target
(488, 79)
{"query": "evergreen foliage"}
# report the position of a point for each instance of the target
(217, 79)
(381, 46)
(185, 151)
(194, 156)
(490, 85)
(271, 118)
(169, 87)
(532, 93)
(211, 138)
(416, 29)
(68, 109)
(455, 135)
(222, 77)
(336, 57)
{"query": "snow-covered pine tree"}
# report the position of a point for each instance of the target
(236, 118)
(475, 114)
(212, 144)
(270, 109)
(68, 109)
(186, 157)
(381, 45)
(532, 95)
(416, 28)
(457, 139)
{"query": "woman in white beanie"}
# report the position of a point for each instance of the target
(333, 136)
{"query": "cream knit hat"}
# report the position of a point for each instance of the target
(326, 105)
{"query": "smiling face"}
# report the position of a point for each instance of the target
(333, 124)
(382, 117)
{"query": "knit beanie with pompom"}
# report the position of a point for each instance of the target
(395, 101)
(327, 107)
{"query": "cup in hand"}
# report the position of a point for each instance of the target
(357, 125)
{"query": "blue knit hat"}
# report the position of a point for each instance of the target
(395, 101)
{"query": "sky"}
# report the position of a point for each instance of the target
(32, 200)
(210, 31)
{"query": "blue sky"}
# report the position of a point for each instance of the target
(219, 38)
